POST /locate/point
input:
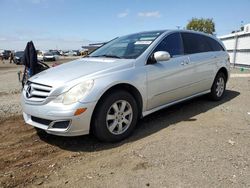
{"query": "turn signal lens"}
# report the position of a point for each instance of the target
(79, 111)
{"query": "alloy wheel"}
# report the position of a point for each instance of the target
(220, 86)
(119, 117)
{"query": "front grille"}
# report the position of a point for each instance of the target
(37, 92)
(40, 120)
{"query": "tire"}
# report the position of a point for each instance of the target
(218, 87)
(115, 117)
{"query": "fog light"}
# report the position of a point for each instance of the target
(61, 124)
(79, 111)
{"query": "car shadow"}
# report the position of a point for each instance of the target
(150, 124)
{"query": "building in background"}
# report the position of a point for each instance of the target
(238, 46)
(91, 47)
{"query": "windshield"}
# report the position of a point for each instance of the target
(127, 47)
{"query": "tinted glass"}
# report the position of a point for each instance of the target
(214, 44)
(195, 43)
(172, 44)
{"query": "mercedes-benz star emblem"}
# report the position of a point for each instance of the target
(28, 92)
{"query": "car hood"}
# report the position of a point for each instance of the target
(81, 68)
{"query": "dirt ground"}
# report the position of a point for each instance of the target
(198, 143)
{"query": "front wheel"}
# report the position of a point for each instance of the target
(115, 117)
(218, 87)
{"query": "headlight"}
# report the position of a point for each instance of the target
(75, 93)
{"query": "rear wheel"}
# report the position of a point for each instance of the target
(115, 117)
(219, 86)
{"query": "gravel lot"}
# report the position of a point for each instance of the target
(198, 143)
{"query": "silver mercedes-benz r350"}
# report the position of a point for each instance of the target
(126, 79)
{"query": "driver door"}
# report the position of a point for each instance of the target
(167, 81)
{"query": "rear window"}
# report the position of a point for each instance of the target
(214, 44)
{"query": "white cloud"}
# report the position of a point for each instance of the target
(152, 14)
(123, 14)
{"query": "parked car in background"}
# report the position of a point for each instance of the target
(55, 52)
(6, 54)
(124, 80)
(50, 56)
(84, 52)
(63, 53)
(39, 55)
(60, 52)
(18, 57)
(1, 54)
(77, 52)
(72, 53)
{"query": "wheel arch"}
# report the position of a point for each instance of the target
(121, 86)
(224, 71)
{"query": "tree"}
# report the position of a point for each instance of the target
(203, 25)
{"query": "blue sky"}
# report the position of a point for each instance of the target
(65, 24)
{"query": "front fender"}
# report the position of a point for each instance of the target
(133, 77)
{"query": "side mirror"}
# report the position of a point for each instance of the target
(161, 56)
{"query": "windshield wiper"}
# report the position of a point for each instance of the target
(105, 55)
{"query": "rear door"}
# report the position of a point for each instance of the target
(202, 62)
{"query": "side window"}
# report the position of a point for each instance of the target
(172, 44)
(195, 43)
(214, 44)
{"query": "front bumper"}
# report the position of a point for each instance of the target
(51, 113)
